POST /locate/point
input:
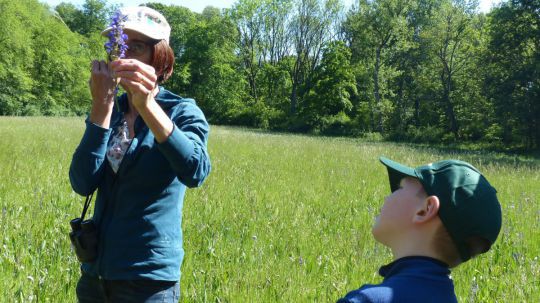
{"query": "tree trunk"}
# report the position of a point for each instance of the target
(293, 98)
(378, 106)
(449, 107)
(253, 83)
(537, 142)
(295, 82)
(401, 108)
(416, 111)
(371, 116)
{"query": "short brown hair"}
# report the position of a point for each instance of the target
(447, 249)
(444, 246)
(163, 60)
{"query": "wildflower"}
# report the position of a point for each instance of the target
(116, 46)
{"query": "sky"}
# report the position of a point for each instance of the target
(199, 5)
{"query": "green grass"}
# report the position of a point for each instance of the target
(282, 218)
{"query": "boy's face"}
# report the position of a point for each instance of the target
(398, 211)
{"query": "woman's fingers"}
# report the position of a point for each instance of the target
(101, 84)
(103, 67)
(95, 66)
(135, 76)
(134, 66)
(135, 86)
(138, 77)
(99, 67)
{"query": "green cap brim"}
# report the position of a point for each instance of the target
(396, 172)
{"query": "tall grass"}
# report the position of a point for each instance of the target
(282, 218)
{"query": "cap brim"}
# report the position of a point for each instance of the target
(396, 172)
(153, 37)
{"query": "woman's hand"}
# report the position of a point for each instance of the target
(102, 89)
(138, 79)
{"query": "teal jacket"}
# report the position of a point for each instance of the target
(139, 211)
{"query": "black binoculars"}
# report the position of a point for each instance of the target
(84, 239)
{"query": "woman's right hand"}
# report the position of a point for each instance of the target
(102, 87)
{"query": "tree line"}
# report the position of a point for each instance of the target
(435, 71)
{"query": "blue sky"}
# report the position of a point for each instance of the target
(199, 5)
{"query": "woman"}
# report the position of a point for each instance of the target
(140, 156)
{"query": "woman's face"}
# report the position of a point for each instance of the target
(140, 47)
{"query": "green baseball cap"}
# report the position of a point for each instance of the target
(468, 203)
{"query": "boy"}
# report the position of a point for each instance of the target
(437, 217)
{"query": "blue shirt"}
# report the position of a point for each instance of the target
(138, 211)
(409, 279)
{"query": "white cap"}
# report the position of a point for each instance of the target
(146, 21)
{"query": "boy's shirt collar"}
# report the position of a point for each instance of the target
(408, 279)
(409, 263)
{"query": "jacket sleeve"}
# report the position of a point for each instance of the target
(357, 298)
(186, 147)
(87, 164)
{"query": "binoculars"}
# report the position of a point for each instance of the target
(84, 239)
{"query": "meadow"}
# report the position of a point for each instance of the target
(281, 218)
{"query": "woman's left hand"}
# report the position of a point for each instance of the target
(137, 78)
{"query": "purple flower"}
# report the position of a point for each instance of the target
(116, 46)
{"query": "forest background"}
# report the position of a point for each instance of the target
(428, 71)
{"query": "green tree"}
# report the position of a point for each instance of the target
(312, 26)
(513, 81)
(248, 17)
(375, 31)
(70, 15)
(410, 61)
(210, 56)
(16, 56)
(450, 36)
(328, 103)
(43, 65)
(263, 46)
(92, 18)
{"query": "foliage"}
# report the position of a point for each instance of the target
(90, 19)
(513, 81)
(333, 88)
(395, 67)
(215, 81)
(43, 65)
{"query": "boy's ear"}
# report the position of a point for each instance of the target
(428, 209)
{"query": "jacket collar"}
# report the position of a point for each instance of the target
(416, 264)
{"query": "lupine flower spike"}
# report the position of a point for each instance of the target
(116, 46)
